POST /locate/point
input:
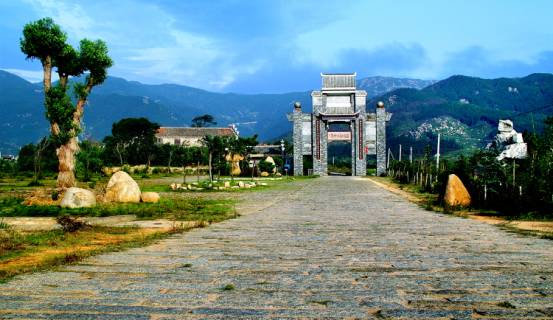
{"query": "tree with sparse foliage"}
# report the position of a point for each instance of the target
(37, 158)
(216, 152)
(132, 141)
(44, 40)
(205, 120)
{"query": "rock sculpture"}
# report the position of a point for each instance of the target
(234, 160)
(509, 142)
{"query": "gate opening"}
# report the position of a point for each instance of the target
(339, 149)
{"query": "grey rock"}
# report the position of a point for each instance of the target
(78, 198)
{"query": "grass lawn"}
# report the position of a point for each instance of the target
(26, 252)
(22, 252)
(182, 209)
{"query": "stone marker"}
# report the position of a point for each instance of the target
(122, 188)
(78, 198)
(150, 197)
(227, 184)
(455, 192)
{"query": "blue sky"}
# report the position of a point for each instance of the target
(267, 46)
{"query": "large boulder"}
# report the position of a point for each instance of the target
(122, 188)
(455, 192)
(150, 197)
(78, 198)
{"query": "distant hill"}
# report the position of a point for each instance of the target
(23, 120)
(376, 86)
(466, 110)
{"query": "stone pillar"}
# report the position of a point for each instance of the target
(324, 149)
(380, 139)
(297, 136)
(360, 160)
(320, 141)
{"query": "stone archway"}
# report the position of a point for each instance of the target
(339, 101)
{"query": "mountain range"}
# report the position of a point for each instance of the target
(24, 121)
(464, 109)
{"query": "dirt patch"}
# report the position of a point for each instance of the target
(76, 246)
(390, 186)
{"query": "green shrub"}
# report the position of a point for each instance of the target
(265, 166)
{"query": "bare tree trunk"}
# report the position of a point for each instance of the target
(66, 157)
(169, 162)
(119, 153)
(198, 171)
(47, 68)
(63, 81)
(210, 170)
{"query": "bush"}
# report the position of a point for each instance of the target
(71, 224)
(265, 166)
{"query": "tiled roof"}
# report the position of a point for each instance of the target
(195, 132)
(338, 81)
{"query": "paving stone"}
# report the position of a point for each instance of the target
(333, 247)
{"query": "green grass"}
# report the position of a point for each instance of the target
(192, 209)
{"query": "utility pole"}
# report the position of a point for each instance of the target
(400, 153)
(514, 176)
(438, 153)
(410, 154)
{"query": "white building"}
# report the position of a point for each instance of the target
(191, 136)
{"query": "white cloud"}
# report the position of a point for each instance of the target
(72, 17)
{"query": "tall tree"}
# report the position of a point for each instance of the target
(215, 147)
(132, 141)
(44, 40)
(205, 120)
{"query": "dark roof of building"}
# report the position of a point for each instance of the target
(338, 81)
(195, 132)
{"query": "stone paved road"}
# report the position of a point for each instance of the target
(335, 247)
